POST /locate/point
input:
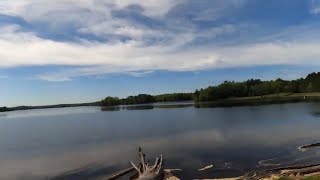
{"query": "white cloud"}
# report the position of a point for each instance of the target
(87, 16)
(274, 53)
(42, 9)
(20, 49)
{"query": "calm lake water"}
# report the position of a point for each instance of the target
(86, 142)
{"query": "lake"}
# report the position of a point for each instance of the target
(86, 142)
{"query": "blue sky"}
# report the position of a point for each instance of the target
(68, 51)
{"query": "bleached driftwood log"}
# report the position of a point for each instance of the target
(146, 172)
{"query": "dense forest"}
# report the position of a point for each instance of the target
(256, 87)
(228, 89)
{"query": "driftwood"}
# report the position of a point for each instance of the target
(146, 172)
(306, 147)
(143, 170)
(276, 173)
(298, 170)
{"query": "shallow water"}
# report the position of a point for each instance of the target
(85, 142)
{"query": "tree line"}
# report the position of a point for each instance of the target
(3, 109)
(146, 98)
(257, 87)
(227, 89)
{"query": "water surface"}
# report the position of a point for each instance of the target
(45, 143)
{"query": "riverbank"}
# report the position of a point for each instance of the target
(307, 172)
(262, 100)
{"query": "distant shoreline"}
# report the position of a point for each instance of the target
(7, 109)
(251, 92)
(282, 98)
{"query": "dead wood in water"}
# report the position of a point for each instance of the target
(289, 171)
(143, 171)
(146, 172)
(305, 147)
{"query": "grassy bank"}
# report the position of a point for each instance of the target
(262, 100)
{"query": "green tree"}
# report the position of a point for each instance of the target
(111, 101)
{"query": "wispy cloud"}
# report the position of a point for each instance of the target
(139, 73)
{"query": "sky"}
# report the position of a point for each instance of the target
(70, 51)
